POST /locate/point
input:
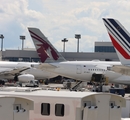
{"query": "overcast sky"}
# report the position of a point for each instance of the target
(59, 19)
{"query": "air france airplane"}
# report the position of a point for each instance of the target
(120, 38)
(79, 70)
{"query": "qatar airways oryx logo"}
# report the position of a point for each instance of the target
(44, 50)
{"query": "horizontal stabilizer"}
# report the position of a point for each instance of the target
(121, 69)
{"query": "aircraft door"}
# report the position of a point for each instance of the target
(78, 69)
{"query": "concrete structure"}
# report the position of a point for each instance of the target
(103, 51)
(66, 105)
(15, 108)
(126, 110)
(25, 55)
(20, 55)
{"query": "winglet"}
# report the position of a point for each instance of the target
(45, 49)
(120, 38)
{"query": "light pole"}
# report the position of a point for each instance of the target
(64, 40)
(78, 36)
(2, 37)
(22, 38)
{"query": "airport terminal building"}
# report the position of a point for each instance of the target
(103, 51)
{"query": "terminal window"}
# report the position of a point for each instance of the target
(59, 109)
(104, 49)
(45, 109)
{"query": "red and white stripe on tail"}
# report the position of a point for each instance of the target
(120, 38)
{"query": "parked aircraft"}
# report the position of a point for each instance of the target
(79, 70)
(120, 38)
(23, 71)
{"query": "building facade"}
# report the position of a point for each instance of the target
(104, 47)
(104, 51)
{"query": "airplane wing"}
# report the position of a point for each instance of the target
(12, 71)
(121, 69)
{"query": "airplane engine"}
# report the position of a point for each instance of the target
(25, 78)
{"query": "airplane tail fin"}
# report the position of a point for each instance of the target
(45, 49)
(120, 38)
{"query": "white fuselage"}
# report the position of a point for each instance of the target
(83, 70)
(38, 74)
(79, 70)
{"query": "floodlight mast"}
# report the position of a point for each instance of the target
(77, 36)
(64, 40)
(2, 37)
(22, 38)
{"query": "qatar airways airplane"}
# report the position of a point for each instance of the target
(23, 71)
(78, 70)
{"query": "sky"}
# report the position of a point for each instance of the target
(59, 19)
